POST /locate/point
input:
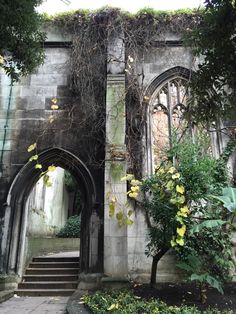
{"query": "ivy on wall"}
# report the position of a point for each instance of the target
(91, 31)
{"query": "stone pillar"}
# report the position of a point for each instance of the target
(115, 236)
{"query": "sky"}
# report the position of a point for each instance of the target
(57, 6)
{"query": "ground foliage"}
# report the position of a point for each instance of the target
(124, 301)
(20, 37)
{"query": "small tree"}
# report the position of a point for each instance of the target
(181, 214)
(164, 198)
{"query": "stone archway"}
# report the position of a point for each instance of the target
(15, 229)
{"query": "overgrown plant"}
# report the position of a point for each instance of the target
(166, 209)
(206, 255)
(181, 215)
(91, 33)
(214, 82)
(71, 228)
(21, 39)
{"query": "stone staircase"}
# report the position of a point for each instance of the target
(50, 276)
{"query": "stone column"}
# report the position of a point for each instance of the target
(115, 236)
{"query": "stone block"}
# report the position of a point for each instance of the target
(115, 265)
(63, 91)
(115, 246)
(115, 282)
(48, 79)
(111, 227)
(136, 245)
(38, 91)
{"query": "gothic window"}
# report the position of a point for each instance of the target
(167, 105)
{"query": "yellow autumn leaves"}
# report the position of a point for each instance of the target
(135, 185)
(176, 191)
(1, 60)
(46, 178)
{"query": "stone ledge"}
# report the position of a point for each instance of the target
(115, 282)
(5, 295)
(74, 305)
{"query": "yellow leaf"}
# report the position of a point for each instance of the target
(130, 59)
(113, 307)
(111, 209)
(181, 231)
(47, 181)
(38, 166)
(1, 59)
(52, 168)
(181, 199)
(180, 189)
(51, 119)
(171, 170)
(54, 107)
(180, 242)
(130, 212)
(34, 157)
(135, 182)
(160, 171)
(54, 100)
(180, 214)
(128, 177)
(170, 185)
(31, 147)
(119, 216)
(146, 98)
(113, 199)
(129, 221)
(133, 194)
(135, 188)
(176, 176)
(172, 243)
(184, 210)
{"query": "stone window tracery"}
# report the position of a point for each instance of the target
(168, 104)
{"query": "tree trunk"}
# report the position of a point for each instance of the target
(155, 261)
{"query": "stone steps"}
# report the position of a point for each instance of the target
(48, 285)
(51, 271)
(33, 278)
(50, 276)
(43, 292)
(53, 265)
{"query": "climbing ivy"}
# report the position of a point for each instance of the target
(90, 32)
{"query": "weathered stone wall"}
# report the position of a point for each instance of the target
(153, 63)
(24, 119)
(47, 207)
(29, 110)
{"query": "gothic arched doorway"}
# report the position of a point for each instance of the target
(16, 208)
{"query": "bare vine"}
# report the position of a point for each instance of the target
(90, 34)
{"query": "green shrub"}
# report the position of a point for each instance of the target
(125, 302)
(71, 228)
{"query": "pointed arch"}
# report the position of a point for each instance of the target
(19, 192)
(179, 75)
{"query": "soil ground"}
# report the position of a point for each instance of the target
(177, 294)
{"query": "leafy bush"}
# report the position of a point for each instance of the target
(71, 228)
(125, 302)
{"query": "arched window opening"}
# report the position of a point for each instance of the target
(168, 103)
